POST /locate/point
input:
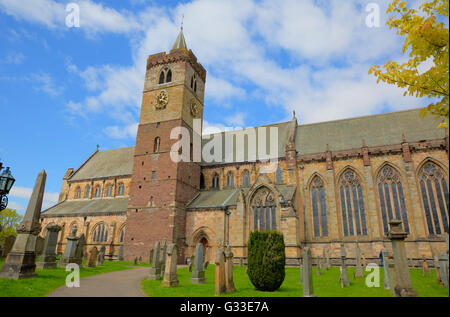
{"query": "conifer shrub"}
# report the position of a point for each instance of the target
(266, 260)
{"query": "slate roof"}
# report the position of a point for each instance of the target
(87, 207)
(215, 198)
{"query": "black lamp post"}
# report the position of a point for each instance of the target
(6, 182)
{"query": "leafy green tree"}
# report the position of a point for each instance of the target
(9, 220)
(426, 38)
(266, 260)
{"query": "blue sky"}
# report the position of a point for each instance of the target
(64, 90)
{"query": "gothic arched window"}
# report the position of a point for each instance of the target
(121, 190)
(156, 144)
(433, 182)
(230, 179)
(392, 199)
(87, 191)
(122, 234)
(352, 204)
(264, 211)
(246, 178)
(98, 192)
(169, 76)
(100, 233)
(215, 181)
(161, 78)
(319, 208)
(109, 190)
(78, 193)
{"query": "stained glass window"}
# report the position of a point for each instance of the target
(352, 204)
(100, 233)
(264, 211)
(86, 193)
(319, 208)
(434, 192)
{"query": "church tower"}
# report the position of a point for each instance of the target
(160, 187)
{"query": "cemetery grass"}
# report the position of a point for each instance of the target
(49, 280)
(325, 285)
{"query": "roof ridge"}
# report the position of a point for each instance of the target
(84, 163)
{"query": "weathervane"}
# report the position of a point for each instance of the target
(182, 19)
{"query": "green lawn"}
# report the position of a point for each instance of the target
(325, 285)
(51, 279)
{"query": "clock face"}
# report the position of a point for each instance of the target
(194, 108)
(161, 100)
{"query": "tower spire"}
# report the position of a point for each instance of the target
(180, 42)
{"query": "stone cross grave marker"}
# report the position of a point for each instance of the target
(170, 273)
(47, 259)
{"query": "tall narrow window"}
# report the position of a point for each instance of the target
(156, 145)
(78, 193)
(109, 190)
(122, 235)
(392, 200)
(433, 183)
(279, 177)
(98, 192)
(87, 191)
(319, 208)
(100, 233)
(215, 181)
(153, 175)
(169, 76)
(230, 179)
(352, 205)
(264, 210)
(161, 78)
(246, 178)
(121, 190)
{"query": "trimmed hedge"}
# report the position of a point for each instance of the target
(266, 260)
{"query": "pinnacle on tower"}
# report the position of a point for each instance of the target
(180, 42)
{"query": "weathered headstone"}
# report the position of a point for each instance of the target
(437, 269)
(20, 262)
(220, 281)
(443, 264)
(120, 255)
(343, 279)
(155, 271)
(359, 268)
(92, 258)
(70, 254)
(47, 259)
(403, 286)
(170, 272)
(392, 274)
(135, 261)
(101, 256)
(8, 243)
(162, 256)
(191, 263)
(198, 275)
(229, 271)
(385, 253)
(318, 266)
(308, 289)
(425, 268)
(150, 258)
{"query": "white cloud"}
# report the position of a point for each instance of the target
(237, 119)
(49, 199)
(44, 82)
(13, 58)
(117, 132)
(16, 206)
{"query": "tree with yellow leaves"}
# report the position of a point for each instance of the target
(426, 40)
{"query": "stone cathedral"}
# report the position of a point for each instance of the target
(336, 181)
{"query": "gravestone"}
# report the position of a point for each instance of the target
(101, 256)
(70, 254)
(343, 279)
(8, 243)
(20, 262)
(385, 253)
(93, 254)
(220, 281)
(229, 271)
(425, 268)
(324, 259)
(120, 255)
(39, 245)
(443, 264)
(191, 263)
(392, 274)
(47, 259)
(437, 269)
(207, 257)
(403, 286)
(318, 266)
(162, 256)
(170, 272)
(359, 268)
(198, 275)
(150, 258)
(135, 261)
(308, 289)
(155, 270)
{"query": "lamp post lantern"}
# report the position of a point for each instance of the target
(6, 182)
